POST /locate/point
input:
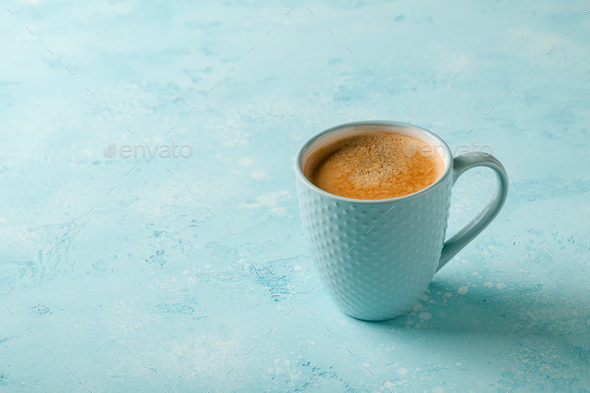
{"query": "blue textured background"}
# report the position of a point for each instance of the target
(150, 291)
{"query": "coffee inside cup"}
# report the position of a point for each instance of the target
(374, 165)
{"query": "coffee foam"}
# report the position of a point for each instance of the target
(374, 165)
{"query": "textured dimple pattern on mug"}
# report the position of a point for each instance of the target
(375, 261)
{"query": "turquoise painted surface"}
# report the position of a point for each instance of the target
(141, 288)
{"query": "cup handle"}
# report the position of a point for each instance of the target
(486, 215)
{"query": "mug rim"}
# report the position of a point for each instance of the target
(387, 123)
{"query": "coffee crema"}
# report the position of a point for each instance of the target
(374, 165)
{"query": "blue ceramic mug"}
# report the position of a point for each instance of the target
(376, 258)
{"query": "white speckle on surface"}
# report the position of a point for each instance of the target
(448, 294)
(425, 316)
(3, 220)
(287, 363)
(257, 175)
(425, 297)
(234, 172)
(437, 389)
(500, 285)
(270, 201)
(418, 307)
(402, 371)
(462, 290)
(217, 156)
(458, 364)
(246, 161)
(297, 268)
(488, 284)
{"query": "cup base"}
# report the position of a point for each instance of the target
(380, 319)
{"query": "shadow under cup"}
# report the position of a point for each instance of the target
(375, 258)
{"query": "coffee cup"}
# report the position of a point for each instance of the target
(376, 258)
